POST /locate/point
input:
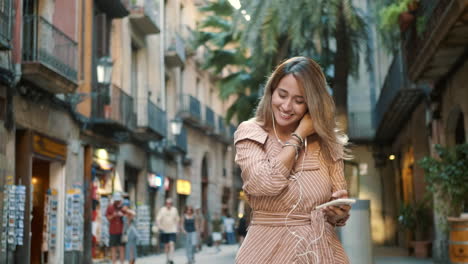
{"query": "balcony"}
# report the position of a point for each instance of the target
(396, 101)
(175, 51)
(49, 56)
(221, 127)
(361, 126)
(181, 141)
(440, 43)
(113, 113)
(5, 24)
(190, 109)
(232, 129)
(143, 16)
(114, 8)
(209, 119)
(152, 121)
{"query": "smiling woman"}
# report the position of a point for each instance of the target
(292, 160)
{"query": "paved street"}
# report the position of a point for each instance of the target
(227, 255)
(206, 256)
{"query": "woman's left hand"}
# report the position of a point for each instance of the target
(337, 215)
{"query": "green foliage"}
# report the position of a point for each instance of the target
(278, 29)
(421, 23)
(415, 218)
(448, 174)
(389, 14)
(388, 23)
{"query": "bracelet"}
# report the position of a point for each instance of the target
(296, 147)
(301, 140)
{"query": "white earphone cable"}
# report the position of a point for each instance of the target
(295, 178)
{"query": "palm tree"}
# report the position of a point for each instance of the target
(224, 53)
(331, 31)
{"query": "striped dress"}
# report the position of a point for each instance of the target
(285, 228)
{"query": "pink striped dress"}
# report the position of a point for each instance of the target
(285, 228)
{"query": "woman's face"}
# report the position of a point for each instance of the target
(288, 103)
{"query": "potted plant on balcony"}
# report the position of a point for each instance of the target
(400, 12)
(416, 219)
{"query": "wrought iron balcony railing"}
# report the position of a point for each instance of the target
(396, 101)
(190, 109)
(221, 129)
(46, 44)
(143, 14)
(433, 42)
(181, 140)
(157, 119)
(232, 129)
(114, 107)
(6, 9)
(175, 51)
(209, 118)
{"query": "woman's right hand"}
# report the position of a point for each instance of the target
(306, 126)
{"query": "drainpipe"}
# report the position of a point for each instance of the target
(162, 48)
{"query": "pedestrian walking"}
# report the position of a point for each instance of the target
(200, 226)
(167, 221)
(291, 156)
(115, 215)
(188, 226)
(242, 229)
(217, 225)
(229, 224)
(130, 233)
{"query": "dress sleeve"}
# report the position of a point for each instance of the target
(262, 175)
(336, 170)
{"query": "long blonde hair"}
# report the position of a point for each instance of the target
(320, 104)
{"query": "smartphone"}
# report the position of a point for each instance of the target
(337, 202)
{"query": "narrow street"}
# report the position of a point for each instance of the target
(207, 255)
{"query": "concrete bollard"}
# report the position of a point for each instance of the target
(356, 234)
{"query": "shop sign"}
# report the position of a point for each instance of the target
(49, 148)
(183, 187)
(154, 181)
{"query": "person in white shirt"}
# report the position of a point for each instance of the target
(167, 220)
(229, 223)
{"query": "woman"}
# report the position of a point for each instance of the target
(190, 230)
(292, 161)
(130, 233)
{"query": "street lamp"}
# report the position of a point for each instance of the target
(176, 126)
(104, 70)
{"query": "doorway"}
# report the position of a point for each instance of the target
(40, 185)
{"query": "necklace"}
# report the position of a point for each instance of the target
(276, 134)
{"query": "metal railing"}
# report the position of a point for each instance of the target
(361, 125)
(209, 117)
(190, 106)
(148, 7)
(221, 126)
(114, 104)
(177, 44)
(157, 119)
(232, 129)
(181, 140)
(5, 23)
(413, 41)
(395, 80)
(46, 44)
